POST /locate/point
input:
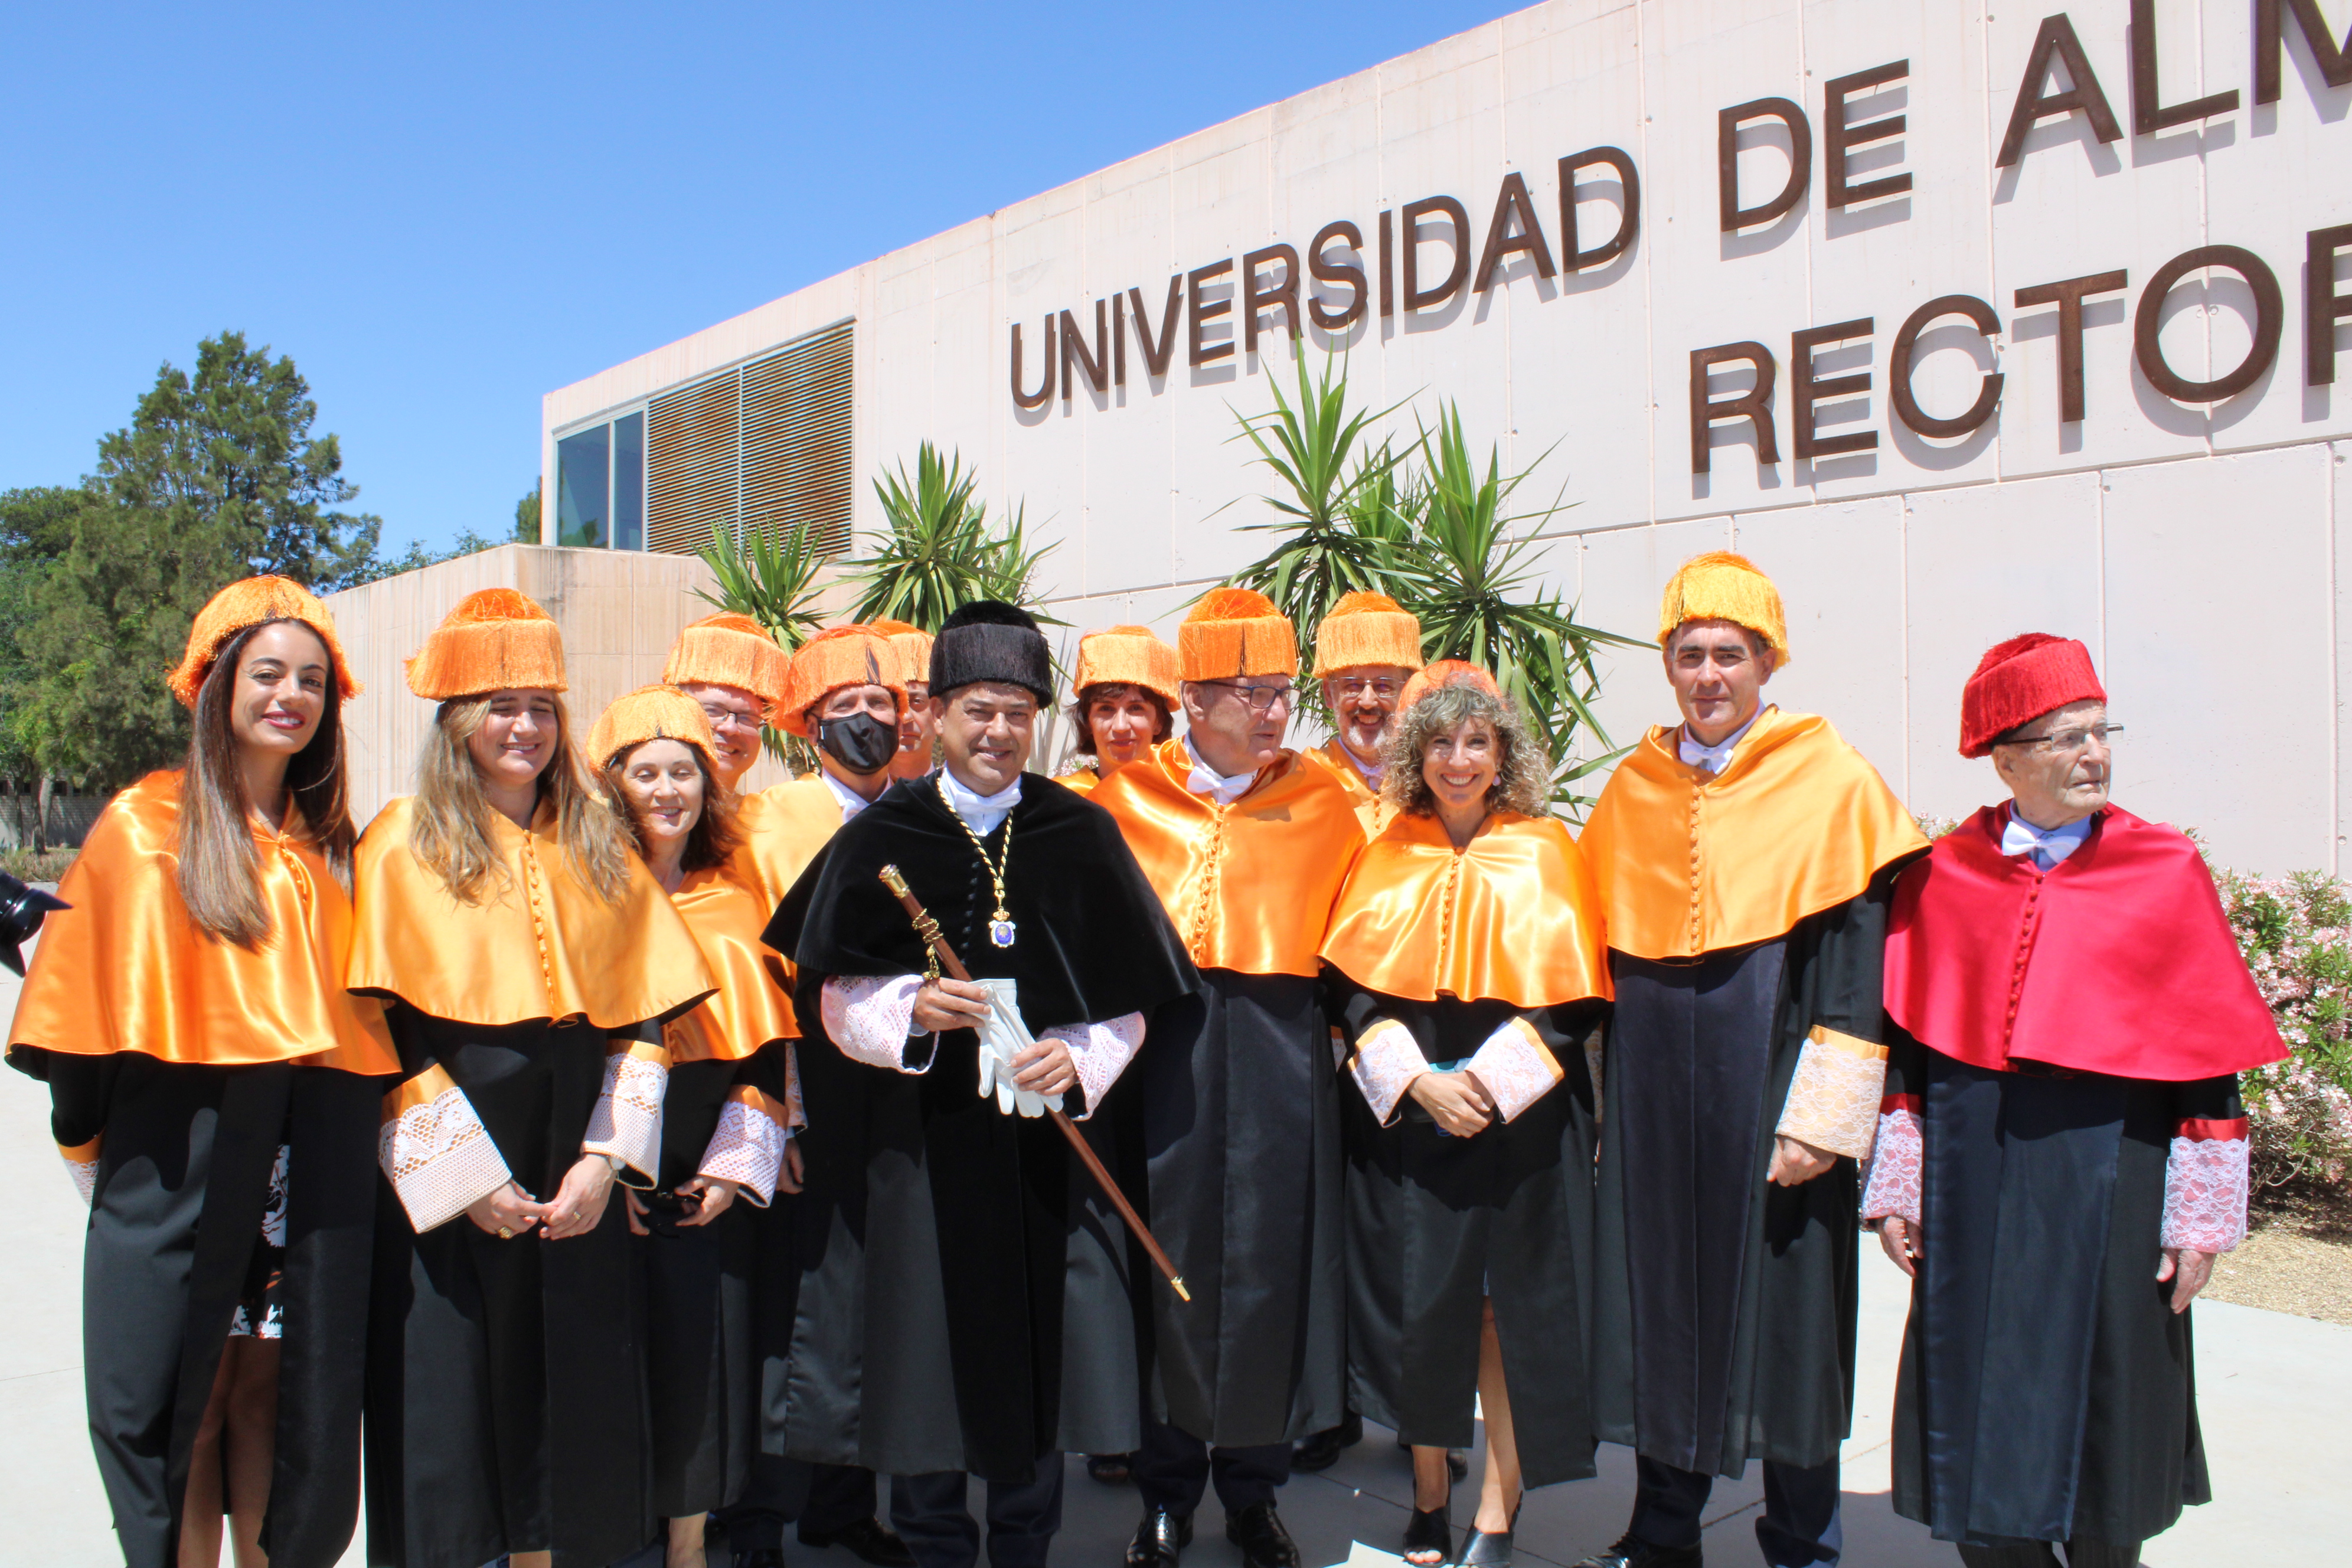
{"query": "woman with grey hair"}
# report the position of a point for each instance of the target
(1465, 961)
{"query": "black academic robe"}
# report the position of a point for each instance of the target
(1723, 1312)
(700, 1301)
(184, 1175)
(1242, 1142)
(964, 1302)
(1437, 1225)
(2048, 1392)
(507, 1378)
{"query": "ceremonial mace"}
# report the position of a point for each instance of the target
(928, 928)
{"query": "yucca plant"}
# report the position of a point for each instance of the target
(772, 578)
(1480, 598)
(1337, 525)
(940, 551)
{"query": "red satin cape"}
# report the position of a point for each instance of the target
(2118, 960)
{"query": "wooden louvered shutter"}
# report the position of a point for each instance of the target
(766, 444)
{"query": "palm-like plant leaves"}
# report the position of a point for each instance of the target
(774, 580)
(940, 551)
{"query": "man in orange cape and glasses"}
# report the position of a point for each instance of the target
(1746, 858)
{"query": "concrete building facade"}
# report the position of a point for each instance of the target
(1961, 321)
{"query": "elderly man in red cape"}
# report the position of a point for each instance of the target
(2062, 1150)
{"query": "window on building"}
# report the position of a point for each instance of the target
(600, 486)
(764, 446)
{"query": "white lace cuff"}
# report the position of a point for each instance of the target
(869, 1018)
(1833, 1102)
(748, 1145)
(1386, 1062)
(435, 1151)
(1100, 1052)
(1515, 1066)
(627, 1123)
(2206, 1183)
(82, 1164)
(1891, 1179)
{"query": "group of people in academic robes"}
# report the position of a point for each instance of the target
(610, 1150)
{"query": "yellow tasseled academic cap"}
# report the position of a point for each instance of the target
(1721, 586)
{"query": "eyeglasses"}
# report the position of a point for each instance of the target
(2066, 742)
(1380, 686)
(721, 718)
(1260, 699)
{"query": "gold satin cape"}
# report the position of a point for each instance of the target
(1373, 810)
(1512, 917)
(1690, 862)
(1250, 886)
(783, 826)
(753, 1005)
(125, 969)
(537, 946)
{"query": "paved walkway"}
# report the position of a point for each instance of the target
(2275, 1393)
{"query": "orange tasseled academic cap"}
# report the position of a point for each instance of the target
(729, 649)
(650, 713)
(249, 602)
(1234, 632)
(495, 640)
(1128, 656)
(1363, 628)
(1446, 672)
(836, 657)
(914, 646)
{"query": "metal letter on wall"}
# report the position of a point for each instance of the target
(1732, 215)
(1045, 387)
(2056, 40)
(1628, 219)
(1415, 297)
(1907, 343)
(2270, 316)
(1347, 272)
(1283, 297)
(1512, 205)
(1196, 311)
(2067, 295)
(1806, 390)
(2323, 307)
(1839, 139)
(1755, 405)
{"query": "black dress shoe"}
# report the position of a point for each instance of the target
(1112, 1469)
(1632, 1552)
(868, 1540)
(1321, 1450)
(760, 1557)
(1161, 1539)
(1257, 1531)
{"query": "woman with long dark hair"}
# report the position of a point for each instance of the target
(727, 1118)
(1465, 963)
(530, 961)
(213, 1092)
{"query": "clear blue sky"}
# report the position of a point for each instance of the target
(442, 212)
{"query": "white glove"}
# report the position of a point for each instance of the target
(1002, 1037)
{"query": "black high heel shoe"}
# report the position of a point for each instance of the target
(1489, 1549)
(1430, 1529)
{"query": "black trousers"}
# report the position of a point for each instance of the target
(1173, 1468)
(930, 1513)
(823, 1498)
(1800, 1526)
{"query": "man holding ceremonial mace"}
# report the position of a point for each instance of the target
(967, 1308)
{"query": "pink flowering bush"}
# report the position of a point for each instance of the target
(2296, 934)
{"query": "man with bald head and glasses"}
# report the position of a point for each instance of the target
(1247, 844)
(2061, 1148)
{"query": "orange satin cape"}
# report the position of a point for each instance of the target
(538, 945)
(1081, 779)
(1514, 917)
(783, 826)
(1373, 810)
(753, 1005)
(125, 969)
(1250, 886)
(1690, 862)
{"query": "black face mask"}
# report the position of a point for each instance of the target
(861, 742)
